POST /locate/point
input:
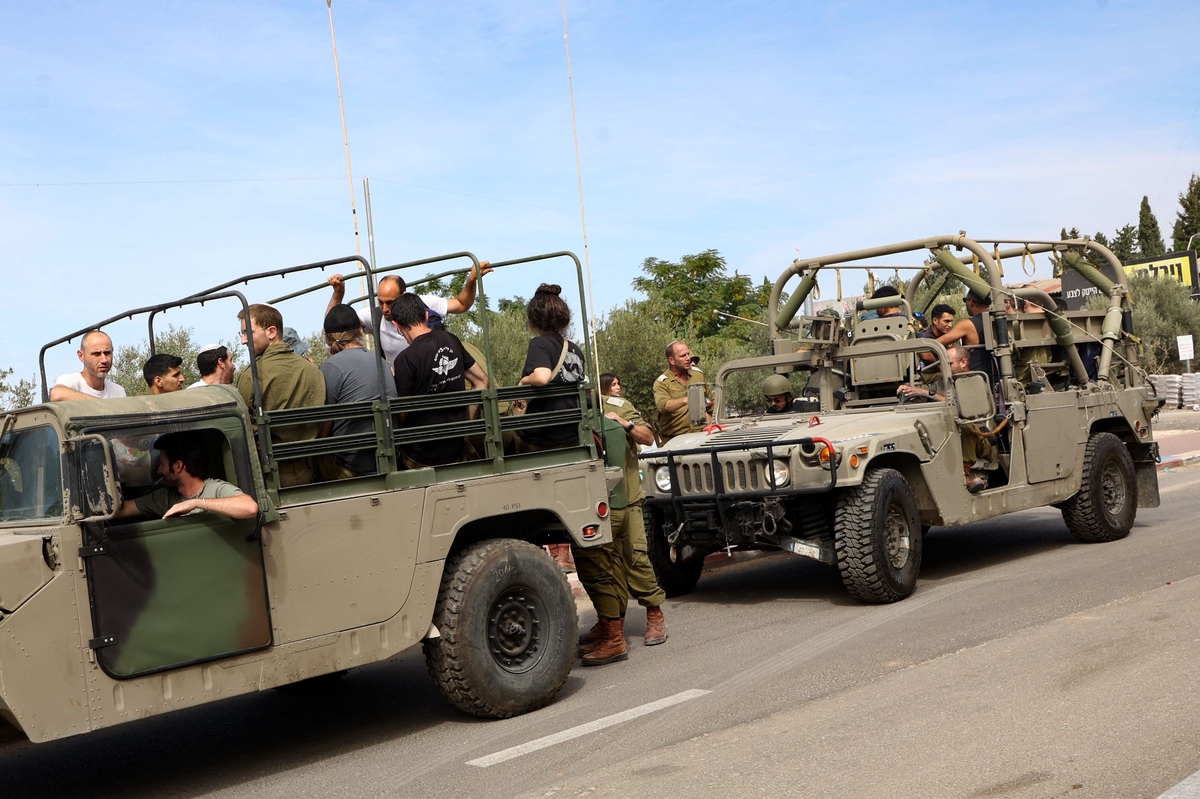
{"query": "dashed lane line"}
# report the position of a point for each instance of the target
(585, 729)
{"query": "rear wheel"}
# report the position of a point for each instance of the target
(676, 577)
(1106, 505)
(877, 537)
(508, 628)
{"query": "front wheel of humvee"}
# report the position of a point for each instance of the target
(1106, 505)
(877, 537)
(508, 628)
(675, 577)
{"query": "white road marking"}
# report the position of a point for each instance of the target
(585, 729)
(1188, 789)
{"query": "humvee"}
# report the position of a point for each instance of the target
(857, 477)
(104, 621)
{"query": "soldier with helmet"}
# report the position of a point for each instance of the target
(778, 391)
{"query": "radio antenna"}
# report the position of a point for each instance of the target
(345, 140)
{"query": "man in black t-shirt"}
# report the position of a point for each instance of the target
(434, 363)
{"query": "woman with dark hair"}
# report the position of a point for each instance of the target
(552, 360)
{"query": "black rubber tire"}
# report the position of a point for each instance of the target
(508, 628)
(1106, 505)
(881, 509)
(676, 579)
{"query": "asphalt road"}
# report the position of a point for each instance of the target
(1025, 665)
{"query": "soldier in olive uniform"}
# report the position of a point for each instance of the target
(670, 392)
(614, 572)
(286, 381)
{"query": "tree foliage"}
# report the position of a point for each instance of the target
(632, 341)
(1162, 310)
(1187, 220)
(689, 294)
(1149, 237)
(16, 394)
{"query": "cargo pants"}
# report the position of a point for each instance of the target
(613, 573)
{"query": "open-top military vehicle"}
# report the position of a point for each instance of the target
(106, 620)
(857, 479)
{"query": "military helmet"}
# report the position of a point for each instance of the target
(775, 385)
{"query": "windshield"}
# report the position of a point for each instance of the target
(30, 475)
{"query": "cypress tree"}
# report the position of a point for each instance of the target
(1187, 221)
(1149, 237)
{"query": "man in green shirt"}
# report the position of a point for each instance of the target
(670, 392)
(614, 572)
(286, 380)
(183, 466)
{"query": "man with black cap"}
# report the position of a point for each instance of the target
(351, 375)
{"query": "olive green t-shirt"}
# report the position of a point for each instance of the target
(668, 387)
(162, 500)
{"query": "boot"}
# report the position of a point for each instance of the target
(975, 483)
(592, 638)
(612, 647)
(656, 627)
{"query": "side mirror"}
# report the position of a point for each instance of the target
(97, 496)
(697, 411)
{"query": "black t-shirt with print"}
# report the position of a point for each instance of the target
(433, 364)
(544, 351)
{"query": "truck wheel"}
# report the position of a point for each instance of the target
(508, 628)
(877, 537)
(1105, 507)
(675, 577)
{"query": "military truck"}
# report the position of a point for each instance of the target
(856, 478)
(104, 620)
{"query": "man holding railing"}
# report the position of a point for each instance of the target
(390, 289)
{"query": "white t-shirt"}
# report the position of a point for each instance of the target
(393, 342)
(198, 384)
(75, 381)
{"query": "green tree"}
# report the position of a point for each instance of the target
(632, 340)
(1124, 243)
(1149, 237)
(689, 294)
(1187, 220)
(1162, 309)
(19, 394)
(508, 334)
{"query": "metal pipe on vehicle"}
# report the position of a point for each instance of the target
(1059, 325)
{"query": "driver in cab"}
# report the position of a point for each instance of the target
(183, 466)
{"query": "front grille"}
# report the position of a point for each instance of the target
(739, 474)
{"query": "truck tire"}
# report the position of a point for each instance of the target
(508, 628)
(1106, 505)
(877, 537)
(675, 578)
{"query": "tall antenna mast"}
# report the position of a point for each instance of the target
(346, 140)
(587, 260)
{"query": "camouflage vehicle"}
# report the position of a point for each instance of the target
(104, 621)
(857, 477)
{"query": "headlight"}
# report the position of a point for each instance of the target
(662, 479)
(780, 474)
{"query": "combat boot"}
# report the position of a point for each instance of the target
(592, 638)
(611, 647)
(656, 626)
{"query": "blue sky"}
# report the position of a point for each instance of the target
(177, 145)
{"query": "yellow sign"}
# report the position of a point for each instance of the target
(1177, 266)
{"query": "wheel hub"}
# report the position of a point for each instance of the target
(1112, 488)
(896, 532)
(514, 630)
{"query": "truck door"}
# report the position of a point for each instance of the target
(172, 592)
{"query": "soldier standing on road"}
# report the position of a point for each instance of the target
(670, 392)
(612, 573)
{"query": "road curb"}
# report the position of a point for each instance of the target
(1176, 461)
